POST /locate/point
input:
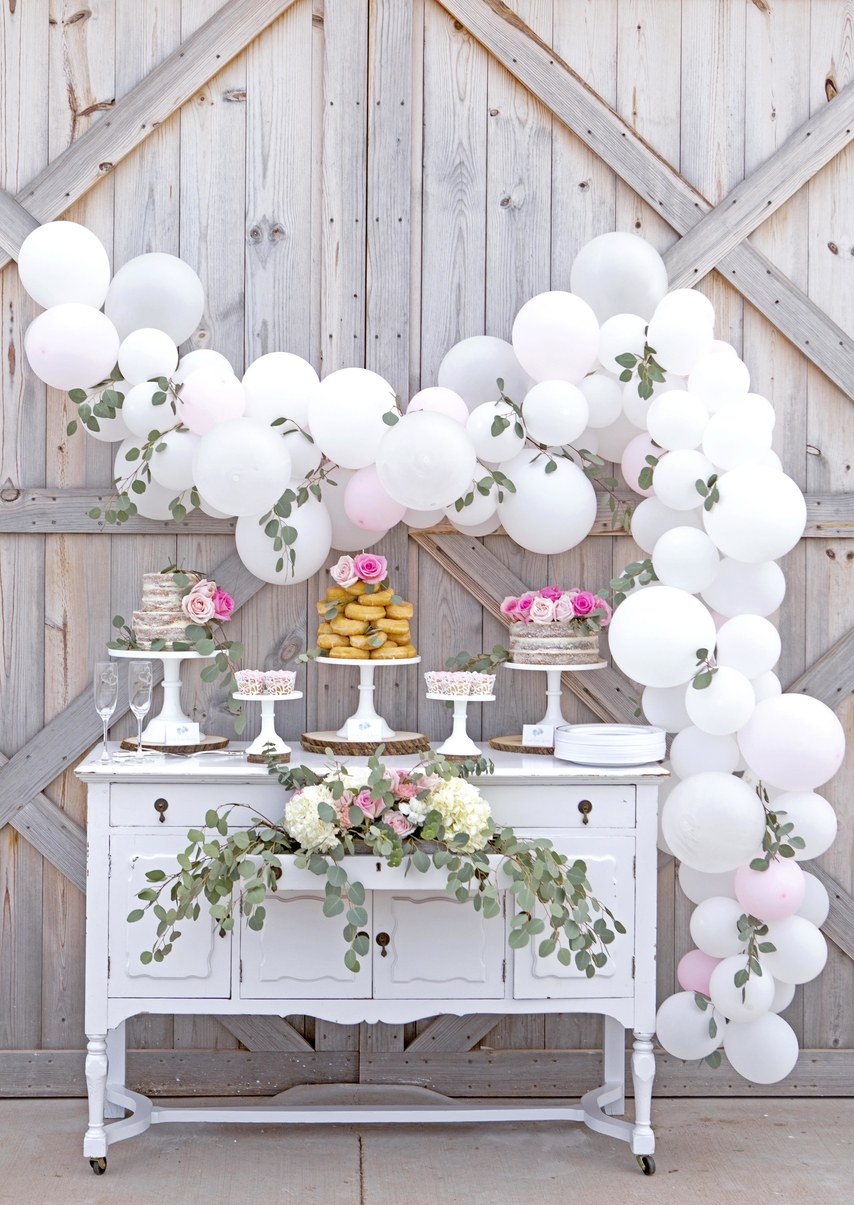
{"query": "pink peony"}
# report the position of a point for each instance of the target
(509, 607)
(552, 592)
(223, 605)
(371, 807)
(583, 603)
(370, 568)
(198, 607)
(523, 608)
(399, 824)
(542, 610)
(602, 605)
(343, 572)
(564, 609)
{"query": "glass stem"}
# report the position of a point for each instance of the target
(105, 755)
(139, 736)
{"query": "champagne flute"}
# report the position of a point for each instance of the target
(139, 696)
(106, 696)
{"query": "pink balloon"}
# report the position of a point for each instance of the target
(694, 970)
(634, 461)
(210, 396)
(367, 504)
(441, 401)
(793, 742)
(771, 894)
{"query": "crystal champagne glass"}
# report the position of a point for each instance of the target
(139, 695)
(106, 695)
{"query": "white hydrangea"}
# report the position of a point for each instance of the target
(303, 822)
(415, 810)
(354, 778)
(463, 810)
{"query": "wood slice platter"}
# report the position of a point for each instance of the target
(259, 759)
(206, 745)
(513, 744)
(400, 743)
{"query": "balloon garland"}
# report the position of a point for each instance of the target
(517, 434)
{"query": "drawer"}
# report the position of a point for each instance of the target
(180, 805)
(560, 806)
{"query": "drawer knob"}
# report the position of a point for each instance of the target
(383, 940)
(160, 806)
(585, 807)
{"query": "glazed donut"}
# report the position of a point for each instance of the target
(392, 626)
(327, 607)
(349, 627)
(329, 640)
(357, 611)
(336, 594)
(401, 637)
(404, 610)
(379, 598)
(349, 653)
(393, 652)
(374, 641)
(323, 629)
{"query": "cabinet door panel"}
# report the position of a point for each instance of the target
(299, 953)
(437, 948)
(200, 962)
(610, 869)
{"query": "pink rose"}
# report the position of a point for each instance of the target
(542, 610)
(343, 572)
(342, 809)
(205, 588)
(399, 824)
(370, 568)
(602, 605)
(198, 607)
(371, 807)
(583, 603)
(564, 609)
(509, 606)
(223, 605)
(552, 592)
(523, 609)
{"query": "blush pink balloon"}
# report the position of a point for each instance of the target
(367, 504)
(210, 396)
(771, 894)
(441, 401)
(694, 970)
(634, 461)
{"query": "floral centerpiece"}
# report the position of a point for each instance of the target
(428, 816)
(583, 612)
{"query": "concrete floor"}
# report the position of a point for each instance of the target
(716, 1151)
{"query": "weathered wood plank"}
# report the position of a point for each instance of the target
(265, 1033)
(831, 678)
(15, 224)
(57, 838)
(839, 926)
(453, 1033)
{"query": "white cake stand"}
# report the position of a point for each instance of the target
(554, 713)
(268, 740)
(171, 712)
(459, 743)
(366, 723)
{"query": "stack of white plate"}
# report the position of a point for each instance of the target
(610, 744)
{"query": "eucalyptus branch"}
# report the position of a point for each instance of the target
(708, 490)
(705, 671)
(636, 573)
(101, 401)
(750, 930)
(648, 370)
(779, 840)
(703, 1002)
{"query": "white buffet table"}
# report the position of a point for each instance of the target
(430, 954)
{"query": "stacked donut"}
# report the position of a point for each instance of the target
(361, 621)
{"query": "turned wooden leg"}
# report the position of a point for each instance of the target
(614, 1060)
(95, 1139)
(643, 1074)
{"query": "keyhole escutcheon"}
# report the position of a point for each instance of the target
(383, 940)
(160, 806)
(585, 807)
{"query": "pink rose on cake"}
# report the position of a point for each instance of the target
(552, 592)
(198, 607)
(542, 610)
(564, 609)
(223, 605)
(509, 607)
(523, 607)
(370, 569)
(343, 572)
(583, 603)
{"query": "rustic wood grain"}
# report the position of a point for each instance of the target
(453, 1033)
(15, 224)
(265, 1033)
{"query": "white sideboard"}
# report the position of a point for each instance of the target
(429, 953)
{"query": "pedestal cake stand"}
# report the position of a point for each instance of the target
(459, 743)
(365, 729)
(268, 740)
(171, 713)
(539, 737)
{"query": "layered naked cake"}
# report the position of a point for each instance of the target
(552, 644)
(553, 626)
(160, 616)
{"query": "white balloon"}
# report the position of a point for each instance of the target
(346, 536)
(486, 528)
(305, 455)
(154, 503)
(675, 476)
(495, 447)
(763, 1051)
(725, 705)
(748, 643)
(800, 953)
(619, 273)
(784, 994)
(345, 414)
(173, 466)
(207, 509)
(651, 519)
(741, 589)
(677, 419)
(754, 405)
(737, 1003)
(242, 467)
(146, 354)
(683, 1029)
(654, 635)
(686, 558)
(664, 706)
(549, 512)
(695, 751)
(112, 430)
(679, 337)
(481, 508)
(418, 520)
(814, 820)
(156, 290)
(202, 357)
(604, 398)
(713, 821)
(636, 408)
(556, 335)
(816, 903)
(620, 334)
(71, 346)
(279, 385)
(64, 262)
(210, 396)
(766, 686)
(760, 516)
(473, 367)
(695, 304)
(731, 439)
(426, 461)
(714, 926)
(441, 401)
(614, 439)
(699, 885)
(311, 547)
(719, 380)
(141, 415)
(555, 413)
(793, 741)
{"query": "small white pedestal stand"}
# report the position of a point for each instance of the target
(459, 743)
(539, 737)
(156, 730)
(268, 739)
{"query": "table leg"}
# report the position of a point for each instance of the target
(115, 1068)
(95, 1138)
(643, 1074)
(614, 1060)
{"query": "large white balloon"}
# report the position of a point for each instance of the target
(713, 821)
(714, 926)
(173, 466)
(242, 467)
(549, 512)
(556, 335)
(618, 335)
(694, 751)
(664, 706)
(651, 519)
(156, 290)
(279, 385)
(675, 478)
(741, 589)
(723, 706)
(731, 439)
(683, 1029)
(71, 346)
(686, 558)
(793, 741)
(618, 273)
(346, 536)
(345, 414)
(764, 1050)
(698, 885)
(63, 262)
(760, 516)
(748, 643)
(208, 397)
(679, 335)
(555, 413)
(636, 408)
(426, 461)
(676, 420)
(311, 547)
(604, 398)
(473, 367)
(147, 354)
(800, 953)
(740, 1003)
(495, 440)
(655, 634)
(719, 380)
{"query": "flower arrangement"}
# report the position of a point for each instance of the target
(431, 815)
(366, 567)
(586, 612)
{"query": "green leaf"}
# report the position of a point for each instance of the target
(136, 914)
(517, 939)
(626, 375)
(351, 962)
(551, 466)
(391, 417)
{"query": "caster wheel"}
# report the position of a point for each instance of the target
(647, 1164)
(98, 1166)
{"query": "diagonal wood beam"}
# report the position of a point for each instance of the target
(831, 678)
(265, 1033)
(142, 110)
(15, 224)
(54, 834)
(454, 1033)
(574, 103)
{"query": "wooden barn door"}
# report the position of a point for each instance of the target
(365, 182)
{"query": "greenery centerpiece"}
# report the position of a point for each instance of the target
(429, 816)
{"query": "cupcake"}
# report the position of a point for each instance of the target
(481, 684)
(279, 681)
(249, 681)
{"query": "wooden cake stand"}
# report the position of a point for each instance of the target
(553, 717)
(365, 719)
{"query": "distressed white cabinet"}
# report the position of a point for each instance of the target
(429, 953)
